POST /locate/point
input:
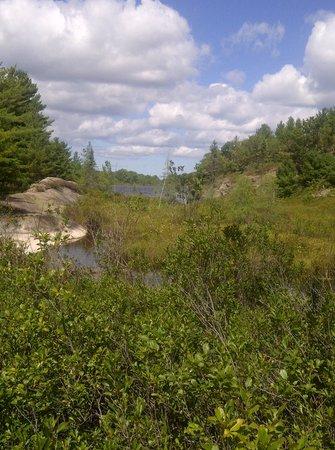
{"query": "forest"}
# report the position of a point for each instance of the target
(233, 348)
(302, 152)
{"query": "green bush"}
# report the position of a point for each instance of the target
(287, 178)
(95, 362)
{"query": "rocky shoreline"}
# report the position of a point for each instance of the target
(39, 210)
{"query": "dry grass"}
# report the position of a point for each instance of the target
(306, 223)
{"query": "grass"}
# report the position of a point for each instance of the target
(150, 228)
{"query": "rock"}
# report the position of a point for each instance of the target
(227, 184)
(38, 210)
(49, 194)
(325, 192)
(224, 188)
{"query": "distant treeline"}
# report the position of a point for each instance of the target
(303, 151)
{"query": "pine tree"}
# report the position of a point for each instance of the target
(89, 172)
(76, 166)
(27, 153)
(23, 129)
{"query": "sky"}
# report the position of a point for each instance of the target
(149, 80)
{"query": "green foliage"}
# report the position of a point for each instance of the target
(89, 176)
(287, 178)
(303, 151)
(235, 351)
(26, 152)
(230, 262)
(255, 152)
(308, 152)
(123, 176)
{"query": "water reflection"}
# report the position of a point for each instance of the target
(81, 253)
(83, 256)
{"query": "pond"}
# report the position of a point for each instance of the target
(83, 256)
(137, 189)
(81, 253)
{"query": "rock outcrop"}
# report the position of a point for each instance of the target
(38, 210)
(49, 194)
(228, 183)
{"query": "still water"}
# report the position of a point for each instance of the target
(82, 254)
(137, 189)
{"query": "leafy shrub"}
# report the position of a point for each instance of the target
(245, 261)
(92, 362)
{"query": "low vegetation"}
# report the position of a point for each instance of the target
(235, 349)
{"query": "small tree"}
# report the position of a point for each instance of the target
(76, 166)
(89, 173)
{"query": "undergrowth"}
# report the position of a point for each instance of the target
(234, 350)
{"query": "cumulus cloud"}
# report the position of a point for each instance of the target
(320, 52)
(95, 98)
(184, 151)
(314, 83)
(97, 40)
(320, 14)
(288, 87)
(121, 74)
(258, 36)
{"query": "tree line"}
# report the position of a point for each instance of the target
(302, 152)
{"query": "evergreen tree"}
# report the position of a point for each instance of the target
(76, 166)
(89, 172)
(107, 167)
(26, 152)
(59, 161)
(24, 130)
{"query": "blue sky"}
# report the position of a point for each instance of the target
(212, 20)
(144, 80)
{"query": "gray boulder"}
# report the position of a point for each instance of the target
(47, 195)
(39, 210)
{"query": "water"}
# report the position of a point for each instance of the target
(137, 189)
(82, 254)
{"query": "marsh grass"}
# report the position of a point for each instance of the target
(147, 229)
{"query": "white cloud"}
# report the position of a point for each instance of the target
(320, 53)
(184, 151)
(287, 87)
(236, 77)
(258, 36)
(97, 40)
(154, 137)
(128, 150)
(95, 98)
(314, 83)
(120, 74)
(321, 14)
